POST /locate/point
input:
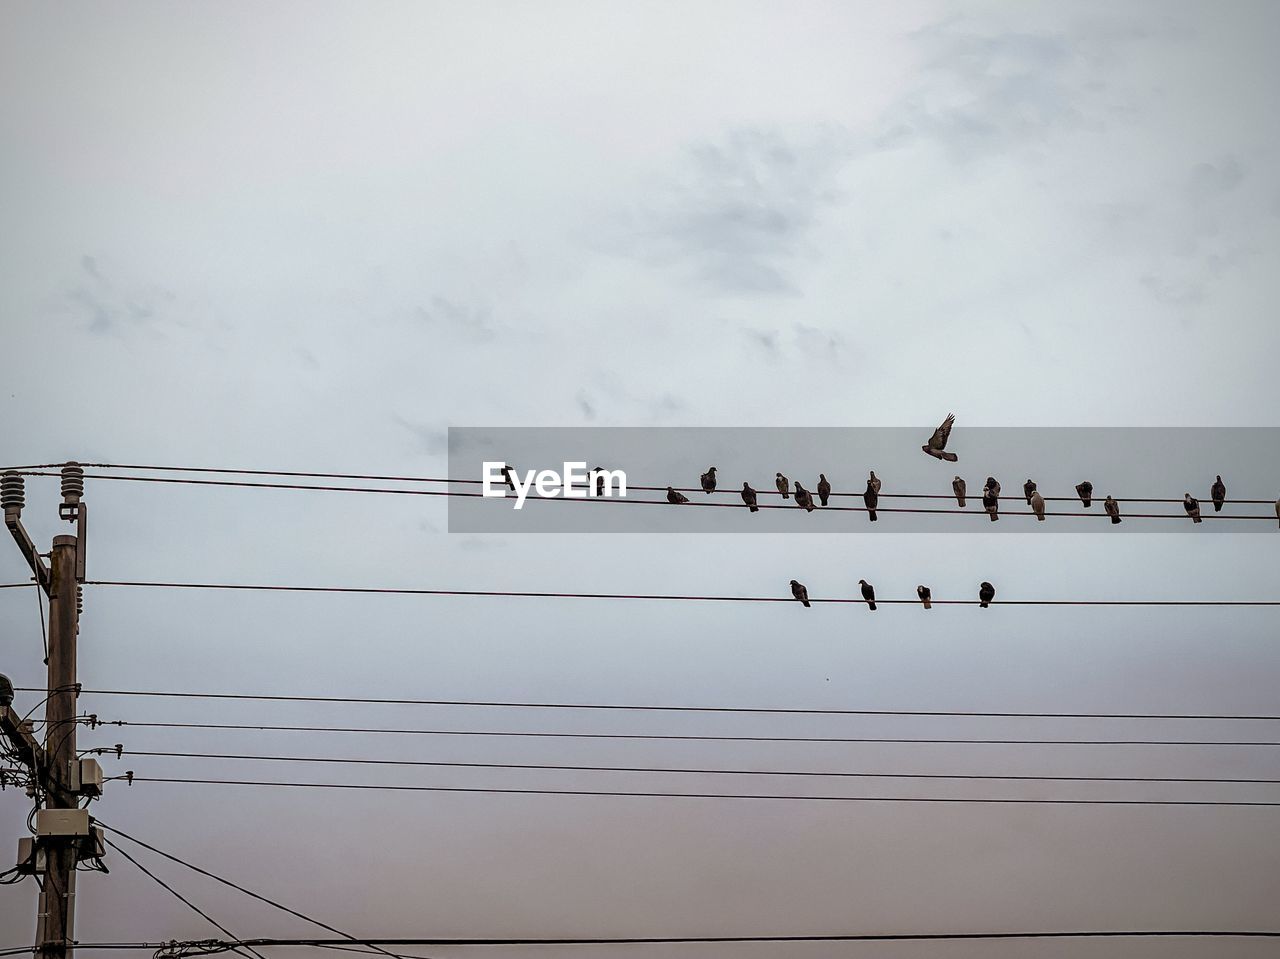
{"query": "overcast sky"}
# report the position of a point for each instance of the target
(317, 235)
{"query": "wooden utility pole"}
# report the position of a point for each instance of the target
(55, 926)
(64, 834)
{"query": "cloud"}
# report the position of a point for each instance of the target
(451, 316)
(109, 307)
(736, 216)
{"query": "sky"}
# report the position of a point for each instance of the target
(316, 236)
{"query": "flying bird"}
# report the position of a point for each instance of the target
(709, 480)
(824, 488)
(926, 596)
(1028, 488)
(874, 481)
(958, 487)
(783, 484)
(1085, 492)
(871, 497)
(1219, 494)
(803, 499)
(1112, 508)
(800, 593)
(938, 441)
(868, 593)
(986, 593)
(1037, 505)
(749, 497)
(1192, 506)
(991, 498)
(676, 498)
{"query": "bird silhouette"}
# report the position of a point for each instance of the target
(991, 498)
(1218, 492)
(873, 481)
(986, 593)
(926, 596)
(709, 480)
(506, 474)
(800, 593)
(1037, 505)
(599, 471)
(1278, 511)
(938, 441)
(676, 498)
(958, 487)
(1085, 492)
(1028, 488)
(868, 593)
(871, 497)
(783, 484)
(1112, 508)
(824, 488)
(749, 497)
(1192, 506)
(803, 499)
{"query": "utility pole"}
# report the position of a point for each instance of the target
(65, 835)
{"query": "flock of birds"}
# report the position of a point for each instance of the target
(937, 448)
(986, 593)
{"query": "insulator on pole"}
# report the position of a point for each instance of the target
(12, 491)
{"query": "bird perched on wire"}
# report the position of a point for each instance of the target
(926, 596)
(1037, 505)
(674, 497)
(871, 497)
(804, 499)
(991, 498)
(749, 497)
(1112, 508)
(1218, 492)
(709, 480)
(868, 593)
(1192, 506)
(938, 441)
(800, 593)
(824, 488)
(1278, 511)
(783, 484)
(506, 474)
(1085, 492)
(958, 487)
(873, 481)
(986, 593)
(1028, 488)
(599, 473)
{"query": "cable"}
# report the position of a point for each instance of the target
(373, 477)
(180, 897)
(691, 738)
(669, 795)
(700, 772)
(766, 710)
(662, 502)
(407, 591)
(15, 586)
(247, 892)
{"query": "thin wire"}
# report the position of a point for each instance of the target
(670, 795)
(691, 738)
(44, 635)
(662, 502)
(242, 889)
(14, 585)
(406, 591)
(700, 772)
(373, 477)
(768, 710)
(179, 896)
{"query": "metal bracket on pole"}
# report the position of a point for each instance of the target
(12, 498)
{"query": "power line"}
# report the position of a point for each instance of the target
(626, 707)
(701, 772)
(528, 594)
(179, 896)
(697, 503)
(388, 478)
(375, 730)
(248, 892)
(671, 795)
